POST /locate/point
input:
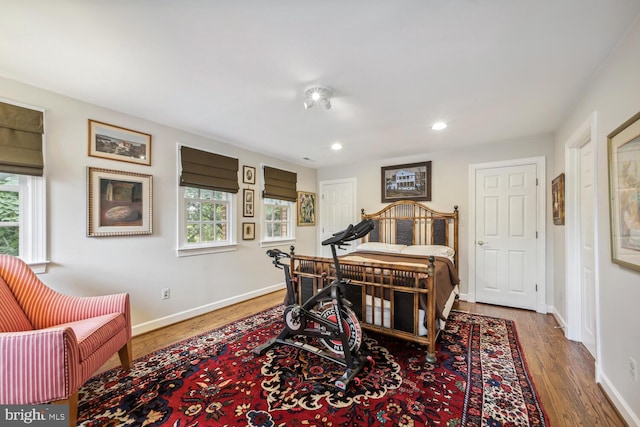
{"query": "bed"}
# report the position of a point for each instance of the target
(403, 275)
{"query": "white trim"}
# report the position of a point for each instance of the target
(573, 294)
(183, 252)
(271, 243)
(541, 267)
(625, 410)
(203, 309)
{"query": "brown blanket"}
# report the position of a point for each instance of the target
(446, 274)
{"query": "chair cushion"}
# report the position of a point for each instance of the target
(95, 331)
(12, 318)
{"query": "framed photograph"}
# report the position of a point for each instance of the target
(624, 193)
(248, 175)
(116, 143)
(247, 202)
(406, 182)
(119, 203)
(248, 230)
(306, 208)
(557, 202)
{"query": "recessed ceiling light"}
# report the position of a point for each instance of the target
(439, 126)
(336, 146)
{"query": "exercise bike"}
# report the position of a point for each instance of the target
(327, 315)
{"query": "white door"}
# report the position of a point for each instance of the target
(505, 238)
(337, 209)
(587, 257)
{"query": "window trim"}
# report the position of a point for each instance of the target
(33, 221)
(278, 241)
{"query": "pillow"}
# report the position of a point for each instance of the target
(429, 250)
(381, 247)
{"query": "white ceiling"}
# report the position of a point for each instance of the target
(236, 71)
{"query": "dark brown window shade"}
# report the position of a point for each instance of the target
(21, 132)
(279, 184)
(211, 171)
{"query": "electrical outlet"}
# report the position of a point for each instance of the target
(166, 293)
(633, 369)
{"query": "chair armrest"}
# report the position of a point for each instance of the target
(38, 366)
(68, 308)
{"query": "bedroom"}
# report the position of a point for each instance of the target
(144, 265)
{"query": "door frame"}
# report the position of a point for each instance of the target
(541, 247)
(321, 206)
(573, 292)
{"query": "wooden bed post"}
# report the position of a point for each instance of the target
(432, 329)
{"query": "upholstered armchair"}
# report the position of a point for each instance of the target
(51, 343)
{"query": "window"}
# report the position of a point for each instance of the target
(278, 223)
(206, 221)
(206, 205)
(23, 218)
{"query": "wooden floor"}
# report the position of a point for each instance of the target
(563, 371)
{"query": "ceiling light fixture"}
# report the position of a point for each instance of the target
(336, 146)
(317, 95)
(439, 126)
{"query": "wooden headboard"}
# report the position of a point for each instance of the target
(412, 223)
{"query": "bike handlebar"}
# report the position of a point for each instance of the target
(352, 232)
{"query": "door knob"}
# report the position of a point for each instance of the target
(480, 242)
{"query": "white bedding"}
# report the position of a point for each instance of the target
(386, 317)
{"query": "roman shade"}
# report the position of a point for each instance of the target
(202, 169)
(21, 132)
(279, 184)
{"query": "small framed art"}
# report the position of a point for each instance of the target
(247, 202)
(248, 175)
(306, 208)
(248, 230)
(557, 202)
(117, 143)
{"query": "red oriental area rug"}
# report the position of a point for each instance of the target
(215, 379)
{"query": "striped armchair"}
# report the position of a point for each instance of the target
(51, 343)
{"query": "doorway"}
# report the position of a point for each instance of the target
(337, 209)
(580, 237)
(507, 233)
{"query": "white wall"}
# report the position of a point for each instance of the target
(450, 177)
(143, 265)
(615, 95)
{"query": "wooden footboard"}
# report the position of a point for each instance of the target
(397, 290)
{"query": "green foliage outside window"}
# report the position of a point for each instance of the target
(206, 215)
(9, 217)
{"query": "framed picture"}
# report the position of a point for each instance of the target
(119, 203)
(624, 193)
(248, 175)
(247, 202)
(557, 202)
(406, 182)
(306, 208)
(116, 143)
(248, 230)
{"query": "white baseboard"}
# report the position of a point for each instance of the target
(463, 297)
(631, 418)
(203, 309)
(561, 322)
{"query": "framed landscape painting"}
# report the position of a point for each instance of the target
(117, 143)
(623, 146)
(406, 182)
